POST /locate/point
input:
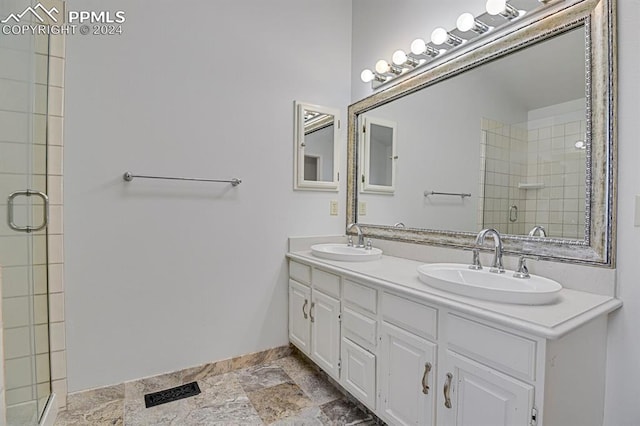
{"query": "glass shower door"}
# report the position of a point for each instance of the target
(23, 217)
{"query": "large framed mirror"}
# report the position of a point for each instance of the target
(517, 134)
(316, 151)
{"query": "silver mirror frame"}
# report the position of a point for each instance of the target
(598, 246)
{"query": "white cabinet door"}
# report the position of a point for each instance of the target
(482, 396)
(325, 332)
(299, 325)
(407, 371)
(359, 372)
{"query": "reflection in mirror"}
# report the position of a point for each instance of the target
(517, 133)
(379, 155)
(316, 153)
(506, 132)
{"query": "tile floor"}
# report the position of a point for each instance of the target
(287, 391)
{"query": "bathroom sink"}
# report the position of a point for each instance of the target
(482, 284)
(345, 253)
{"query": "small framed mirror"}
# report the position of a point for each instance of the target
(379, 155)
(316, 162)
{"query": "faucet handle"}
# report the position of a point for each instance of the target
(523, 271)
(350, 241)
(369, 245)
(476, 265)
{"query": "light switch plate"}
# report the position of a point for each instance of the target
(362, 208)
(637, 214)
(333, 208)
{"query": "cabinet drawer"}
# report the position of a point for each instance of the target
(360, 295)
(411, 316)
(326, 282)
(359, 328)
(300, 272)
(512, 354)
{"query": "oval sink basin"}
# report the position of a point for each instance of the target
(345, 253)
(482, 284)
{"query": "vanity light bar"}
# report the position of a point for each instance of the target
(441, 43)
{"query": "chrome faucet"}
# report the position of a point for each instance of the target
(522, 271)
(360, 236)
(538, 230)
(496, 266)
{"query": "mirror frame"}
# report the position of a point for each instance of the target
(598, 246)
(299, 183)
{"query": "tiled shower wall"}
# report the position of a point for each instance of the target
(504, 161)
(541, 154)
(554, 160)
(47, 119)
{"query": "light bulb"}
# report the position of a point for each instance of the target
(399, 57)
(367, 75)
(439, 36)
(465, 22)
(496, 7)
(382, 67)
(418, 46)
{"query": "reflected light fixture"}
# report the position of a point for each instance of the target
(442, 41)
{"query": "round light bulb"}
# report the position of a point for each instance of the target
(496, 7)
(367, 75)
(439, 36)
(399, 57)
(382, 66)
(465, 22)
(418, 46)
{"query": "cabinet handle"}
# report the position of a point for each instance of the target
(425, 378)
(447, 387)
(306, 302)
(313, 304)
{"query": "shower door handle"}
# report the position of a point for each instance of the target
(28, 193)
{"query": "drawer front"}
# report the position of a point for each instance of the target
(411, 316)
(512, 354)
(359, 372)
(300, 272)
(360, 295)
(326, 282)
(359, 328)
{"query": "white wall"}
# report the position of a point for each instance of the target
(623, 368)
(164, 275)
(380, 27)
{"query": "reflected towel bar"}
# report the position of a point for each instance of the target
(128, 176)
(462, 195)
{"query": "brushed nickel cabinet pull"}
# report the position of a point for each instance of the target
(313, 304)
(425, 378)
(304, 313)
(447, 388)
